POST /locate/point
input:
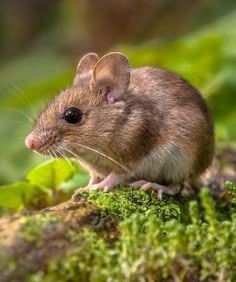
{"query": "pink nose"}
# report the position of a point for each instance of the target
(29, 142)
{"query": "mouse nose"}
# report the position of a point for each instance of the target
(29, 142)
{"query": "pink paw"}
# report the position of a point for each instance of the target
(111, 181)
(160, 189)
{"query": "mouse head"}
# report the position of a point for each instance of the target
(87, 113)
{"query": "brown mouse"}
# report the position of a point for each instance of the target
(141, 127)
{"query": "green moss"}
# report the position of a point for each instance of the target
(89, 260)
(232, 190)
(150, 250)
(123, 202)
(32, 226)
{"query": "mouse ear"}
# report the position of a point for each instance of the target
(111, 76)
(86, 63)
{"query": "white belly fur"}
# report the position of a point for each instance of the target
(167, 164)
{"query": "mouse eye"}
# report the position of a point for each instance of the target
(72, 115)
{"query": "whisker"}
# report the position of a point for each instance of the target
(60, 151)
(52, 153)
(105, 156)
(49, 157)
(24, 114)
(19, 94)
(65, 148)
(71, 152)
(46, 158)
(117, 159)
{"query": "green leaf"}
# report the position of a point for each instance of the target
(52, 173)
(43, 184)
(22, 194)
(77, 181)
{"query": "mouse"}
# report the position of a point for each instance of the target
(144, 127)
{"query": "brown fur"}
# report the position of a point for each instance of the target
(151, 110)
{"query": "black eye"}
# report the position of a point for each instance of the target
(72, 115)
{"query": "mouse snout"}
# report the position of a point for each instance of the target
(30, 142)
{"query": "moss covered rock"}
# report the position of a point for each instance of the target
(124, 235)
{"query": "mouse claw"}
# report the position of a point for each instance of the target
(94, 187)
(86, 189)
(160, 189)
(107, 188)
(153, 186)
(111, 181)
(97, 187)
(159, 194)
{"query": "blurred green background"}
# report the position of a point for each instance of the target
(41, 42)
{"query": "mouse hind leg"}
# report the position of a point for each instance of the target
(160, 189)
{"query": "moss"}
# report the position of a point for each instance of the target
(123, 202)
(30, 234)
(232, 191)
(32, 227)
(156, 242)
(51, 235)
(150, 250)
(89, 260)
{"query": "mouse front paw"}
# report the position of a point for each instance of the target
(94, 187)
(110, 182)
